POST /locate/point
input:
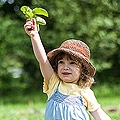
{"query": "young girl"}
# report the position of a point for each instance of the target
(68, 75)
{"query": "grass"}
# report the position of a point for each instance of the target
(109, 98)
(23, 107)
(22, 112)
(32, 106)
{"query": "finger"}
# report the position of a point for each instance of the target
(27, 19)
(34, 24)
(33, 21)
(28, 24)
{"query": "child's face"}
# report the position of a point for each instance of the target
(69, 70)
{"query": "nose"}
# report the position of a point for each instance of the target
(66, 67)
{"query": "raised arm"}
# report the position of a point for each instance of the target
(39, 51)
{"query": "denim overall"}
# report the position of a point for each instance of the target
(65, 107)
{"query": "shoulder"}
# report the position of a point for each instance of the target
(89, 97)
(88, 93)
(50, 87)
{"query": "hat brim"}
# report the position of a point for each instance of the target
(86, 62)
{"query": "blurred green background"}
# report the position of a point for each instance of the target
(97, 23)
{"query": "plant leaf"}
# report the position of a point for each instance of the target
(40, 21)
(40, 11)
(25, 9)
(30, 14)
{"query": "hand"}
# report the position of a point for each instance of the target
(31, 27)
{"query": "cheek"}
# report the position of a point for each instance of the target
(58, 69)
(78, 71)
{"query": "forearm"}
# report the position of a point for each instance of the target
(100, 115)
(38, 49)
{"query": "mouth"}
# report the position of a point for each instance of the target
(66, 73)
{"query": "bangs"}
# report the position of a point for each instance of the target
(67, 56)
(60, 56)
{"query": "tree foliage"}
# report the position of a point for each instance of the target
(97, 23)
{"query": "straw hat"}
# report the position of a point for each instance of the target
(76, 48)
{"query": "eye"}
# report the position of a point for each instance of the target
(73, 62)
(60, 62)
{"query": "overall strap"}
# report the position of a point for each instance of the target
(58, 86)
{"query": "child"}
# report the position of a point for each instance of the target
(68, 75)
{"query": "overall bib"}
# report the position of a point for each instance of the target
(65, 107)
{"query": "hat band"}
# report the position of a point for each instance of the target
(80, 49)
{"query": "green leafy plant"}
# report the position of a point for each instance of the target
(35, 13)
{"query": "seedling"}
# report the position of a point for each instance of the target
(35, 13)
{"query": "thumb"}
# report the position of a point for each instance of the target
(33, 21)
